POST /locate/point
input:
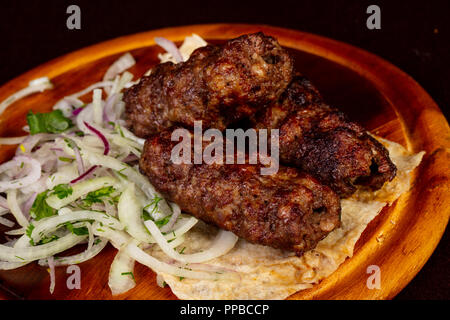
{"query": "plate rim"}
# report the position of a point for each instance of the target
(368, 65)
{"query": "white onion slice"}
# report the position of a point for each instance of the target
(33, 175)
(79, 190)
(120, 65)
(81, 93)
(97, 106)
(78, 258)
(117, 238)
(170, 47)
(40, 251)
(12, 140)
(121, 277)
(6, 222)
(161, 267)
(130, 214)
(11, 196)
(175, 215)
(37, 85)
(222, 244)
(50, 224)
(51, 264)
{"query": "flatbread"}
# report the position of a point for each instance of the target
(262, 272)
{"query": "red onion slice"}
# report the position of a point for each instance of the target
(84, 175)
(100, 135)
(170, 47)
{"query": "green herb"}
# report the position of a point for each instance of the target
(182, 250)
(81, 231)
(19, 257)
(162, 222)
(45, 239)
(98, 195)
(21, 165)
(62, 191)
(181, 278)
(97, 241)
(40, 209)
(129, 274)
(64, 159)
(51, 122)
(29, 231)
(70, 143)
(154, 205)
(79, 133)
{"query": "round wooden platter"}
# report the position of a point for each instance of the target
(370, 90)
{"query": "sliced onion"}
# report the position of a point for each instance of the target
(67, 104)
(79, 160)
(27, 205)
(3, 203)
(84, 175)
(12, 140)
(37, 85)
(117, 238)
(33, 176)
(130, 214)
(79, 190)
(40, 251)
(223, 243)
(101, 136)
(6, 222)
(81, 93)
(31, 141)
(160, 281)
(121, 277)
(161, 267)
(97, 107)
(170, 47)
(50, 224)
(108, 112)
(21, 219)
(120, 65)
(175, 215)
(4, 265)
(78, 258)
(51, 264)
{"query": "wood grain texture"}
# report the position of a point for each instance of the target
(372, 91)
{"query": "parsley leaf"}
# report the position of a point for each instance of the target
(51, 122)
(46, 239)
(77, 231)
(40, 209)
(96, 196)
(62, 191)
(28, 233)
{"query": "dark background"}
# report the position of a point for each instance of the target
(414, 35)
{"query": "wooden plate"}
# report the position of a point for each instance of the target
(383, 98)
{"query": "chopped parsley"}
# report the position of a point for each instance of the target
(64, 159)
(81, 231)
(152, 208)
(29, 231)
(40, 209)
(62, 191)
(98, 195)
(51, 122)
(129, 274)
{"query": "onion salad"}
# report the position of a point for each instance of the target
(75, 181)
